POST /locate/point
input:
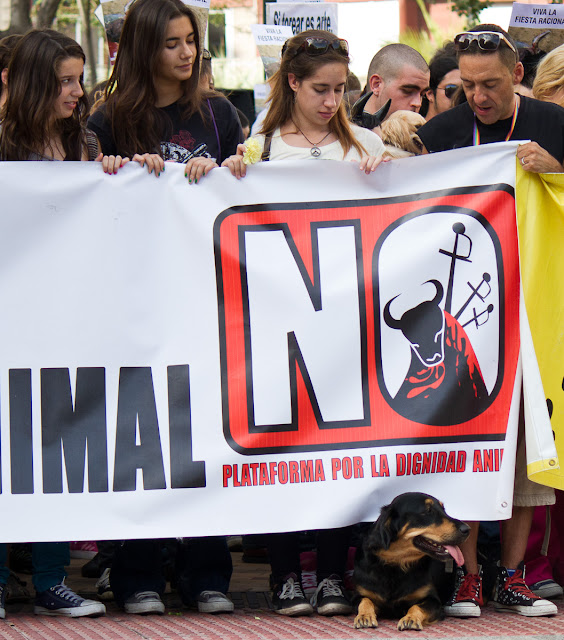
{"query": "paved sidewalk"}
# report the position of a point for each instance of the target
(254, 619)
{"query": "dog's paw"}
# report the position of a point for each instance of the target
(365, 621)
(410, 621)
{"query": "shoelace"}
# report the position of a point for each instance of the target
(469, 588)
(146, 595)
(517, 583)
(330, 587)
(104, 580)
(65, 593)
(291, 589)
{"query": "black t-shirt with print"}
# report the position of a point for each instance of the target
(541, 122)
(216, 137)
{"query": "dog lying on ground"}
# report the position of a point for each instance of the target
(399, 562)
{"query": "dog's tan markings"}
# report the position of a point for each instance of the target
(415, 618)
(401, 551)
(419, 594)
(429, 503)
(442, 533)
(376, 598)
(366, 616)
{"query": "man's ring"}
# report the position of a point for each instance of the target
(523, 161)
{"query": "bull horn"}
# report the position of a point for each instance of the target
(388, 318)
(439, 287)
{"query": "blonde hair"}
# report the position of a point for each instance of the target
(550, 75)
(399, 134)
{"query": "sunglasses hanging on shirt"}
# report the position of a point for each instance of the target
(367, 120)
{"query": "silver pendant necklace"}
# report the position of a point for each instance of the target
(315, 150)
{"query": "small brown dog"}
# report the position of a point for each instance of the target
(400, 562)
(399, 134)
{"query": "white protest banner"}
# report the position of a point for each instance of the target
(208, 359)
(539, 23)
(303, 16)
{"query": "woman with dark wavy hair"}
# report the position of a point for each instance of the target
(154, 103)
(307, 117)
(44, 116)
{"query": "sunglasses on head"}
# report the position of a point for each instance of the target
(449, 89)
(319, 46)
(486, 40)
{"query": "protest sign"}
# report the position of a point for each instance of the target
(303, 16)
(539, 23)
(270, 40)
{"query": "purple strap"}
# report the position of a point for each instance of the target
(216, 131)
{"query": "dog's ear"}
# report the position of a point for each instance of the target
(385, 528)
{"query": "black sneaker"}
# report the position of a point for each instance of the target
(62, 601)
(466, 598)
(2, 601)
(288, 598)
(330, 599)
(512, 594)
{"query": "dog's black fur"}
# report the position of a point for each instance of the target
(400, 560)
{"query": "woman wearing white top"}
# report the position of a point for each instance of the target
(306, 118)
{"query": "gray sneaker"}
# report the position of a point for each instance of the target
(144, 603)
(214, 602)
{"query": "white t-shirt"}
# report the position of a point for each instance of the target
(279, 150)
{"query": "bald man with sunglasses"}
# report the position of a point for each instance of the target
(490, 70)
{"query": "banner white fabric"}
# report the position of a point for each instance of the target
(239, 356)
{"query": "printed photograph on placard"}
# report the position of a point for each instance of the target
(114, 15)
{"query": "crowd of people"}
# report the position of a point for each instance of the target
(159, 106)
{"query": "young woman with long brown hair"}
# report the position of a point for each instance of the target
(154, 103)
(307, 118)
(44, 116)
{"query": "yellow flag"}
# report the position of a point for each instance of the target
(540, 219)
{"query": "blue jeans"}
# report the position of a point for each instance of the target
(48, 559)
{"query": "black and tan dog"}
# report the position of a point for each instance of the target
(400, 561)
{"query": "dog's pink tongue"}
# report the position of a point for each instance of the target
(456, 554)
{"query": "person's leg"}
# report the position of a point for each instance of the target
(4, 573)
(332, 550)
(204, 569)
(556, 546)
(511, 592)
(466, 598)
(284, 555)
(53, 597)
(49, 561)
(514, 536)
(287, 595)
(537, 563)
(137, 569)
(469, 549)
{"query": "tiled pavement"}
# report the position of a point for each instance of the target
(253, 619)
